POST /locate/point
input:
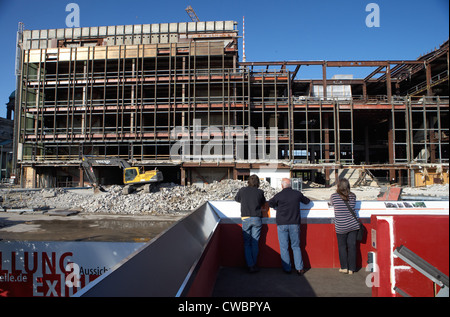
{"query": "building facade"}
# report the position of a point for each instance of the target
(175, 96)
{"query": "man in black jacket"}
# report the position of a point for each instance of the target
(287, 204)
(251, 199)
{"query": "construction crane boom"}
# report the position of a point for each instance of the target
(192, 14)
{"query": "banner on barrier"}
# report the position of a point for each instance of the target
(41, 269)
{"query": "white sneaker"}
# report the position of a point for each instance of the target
(345, 271)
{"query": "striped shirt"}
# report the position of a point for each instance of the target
(344, 222)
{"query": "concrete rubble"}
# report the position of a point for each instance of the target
(435, 190)
(164, 198)
(168, 198)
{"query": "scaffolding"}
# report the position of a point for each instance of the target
(122, 90)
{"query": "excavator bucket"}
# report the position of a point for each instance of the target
(99, 189)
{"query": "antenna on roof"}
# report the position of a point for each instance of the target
(243, 39)
(192, 14)
(18, 41)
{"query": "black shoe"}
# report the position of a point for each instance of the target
(287, 272)
(253, 269)
(300, 272)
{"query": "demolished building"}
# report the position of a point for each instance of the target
(176, 97)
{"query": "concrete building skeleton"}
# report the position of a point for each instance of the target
(135, 91)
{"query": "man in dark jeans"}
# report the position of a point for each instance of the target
(287, 204)
(251, 199)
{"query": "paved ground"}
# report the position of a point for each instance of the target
(273, 282)
(82, 227)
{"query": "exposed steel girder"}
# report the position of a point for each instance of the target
(332, 63)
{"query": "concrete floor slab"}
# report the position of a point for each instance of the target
(273, 282)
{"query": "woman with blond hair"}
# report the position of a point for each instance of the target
(346, 225)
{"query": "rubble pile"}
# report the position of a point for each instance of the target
(164, 198)
(170, 198)
(435, 190)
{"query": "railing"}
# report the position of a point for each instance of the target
(138, 102)
(369, 99)
(423, 86)
(346, 99)
(428, 270)
(193, 101)
(138, 74)
(76, 157)
(419, 100)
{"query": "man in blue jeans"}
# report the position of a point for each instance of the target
(251, 199)
(287, 204)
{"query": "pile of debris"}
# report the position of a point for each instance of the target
(427, 192)
(167, 198)
(164, 198)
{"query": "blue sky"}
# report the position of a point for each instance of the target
(274, 30)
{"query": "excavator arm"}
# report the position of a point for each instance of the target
(88, 162)
(87, 166)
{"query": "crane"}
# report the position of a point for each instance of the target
(192, 14)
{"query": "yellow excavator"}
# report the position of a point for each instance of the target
(132, 177)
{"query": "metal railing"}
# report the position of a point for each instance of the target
(436, 79)
(424, 268)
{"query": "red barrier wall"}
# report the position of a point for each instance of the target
(318, 245)
(205, 277)
(426, 236)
